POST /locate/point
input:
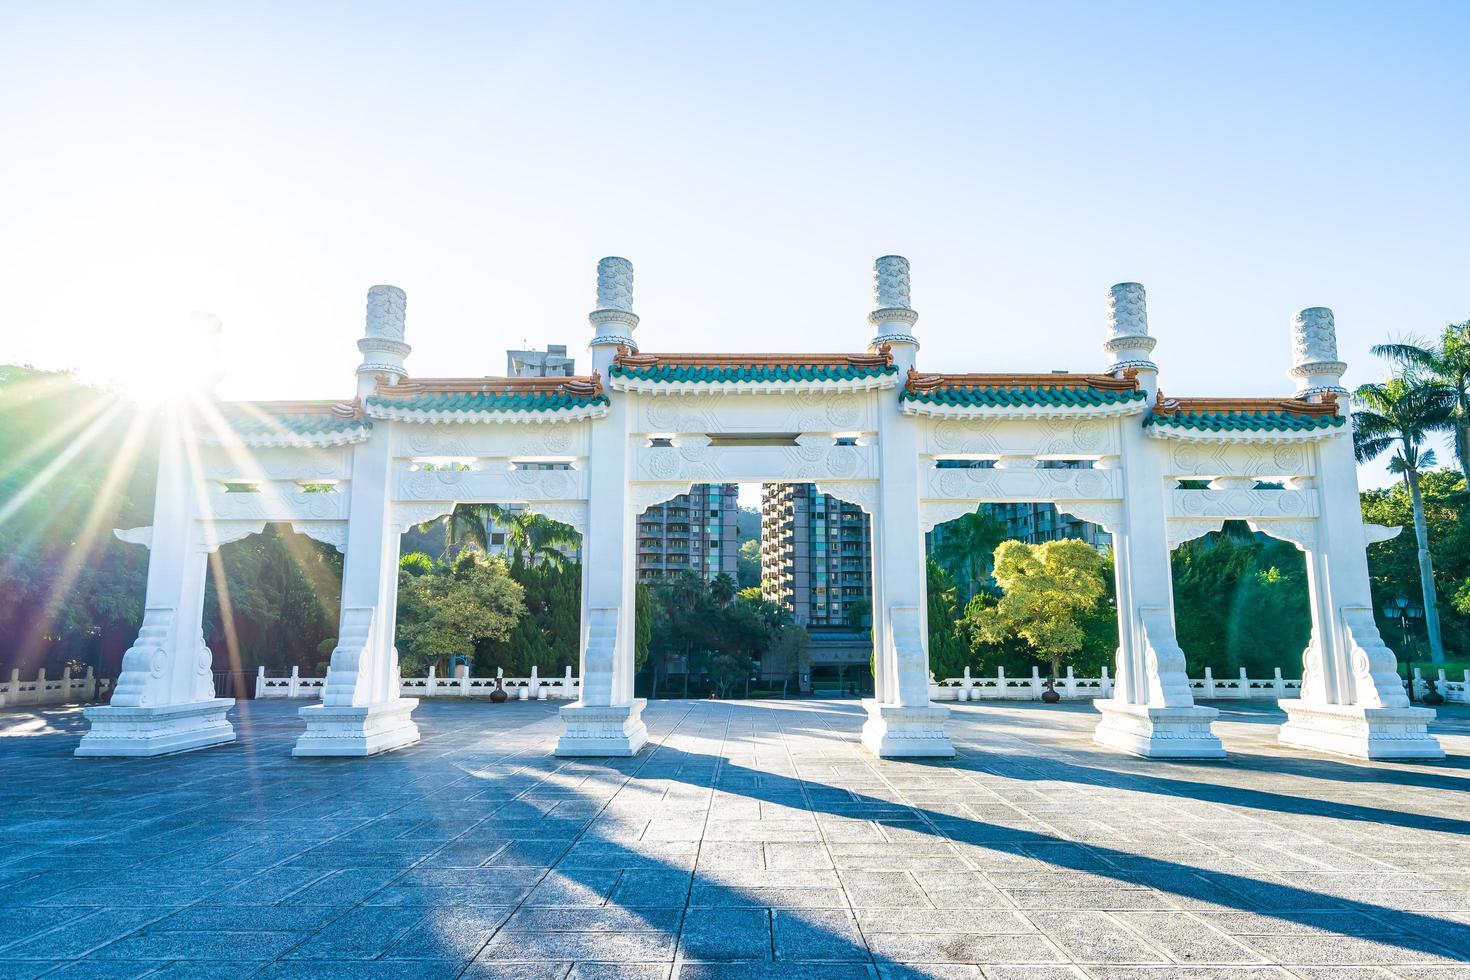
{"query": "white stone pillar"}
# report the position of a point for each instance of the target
(1151, 711)
(164, 701)
(1351, 701)
(902, 721)
(606, 720)
(362, 710)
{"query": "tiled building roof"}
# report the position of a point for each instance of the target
(1055, 390)
(726, 368)
(1245, 414)
(469, 396)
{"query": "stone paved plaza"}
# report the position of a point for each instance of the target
(748, 840)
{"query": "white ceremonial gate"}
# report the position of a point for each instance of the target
(912, 448)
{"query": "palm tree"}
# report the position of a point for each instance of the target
(1397, 415)
(526, 532)
(966, 547)
(1447, 365)
(722, 588)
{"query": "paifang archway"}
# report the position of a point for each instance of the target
(867, 427)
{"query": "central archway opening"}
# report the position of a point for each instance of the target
(751, 590)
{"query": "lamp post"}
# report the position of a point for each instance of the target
(1402, 608)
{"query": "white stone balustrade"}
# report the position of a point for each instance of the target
(65, 689)
(1073, 688)
(459, 685)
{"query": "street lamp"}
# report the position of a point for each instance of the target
(1402, 608)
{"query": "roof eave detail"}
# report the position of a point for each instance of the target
(918, 408)
(794, 386)
(1183, 434)
(292, 440)
(489, 416)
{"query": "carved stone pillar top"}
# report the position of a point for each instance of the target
(615, 284)
(1129, 344)
(382, 345)
(614, 319)
(386, 310)
(891, 283)
(1314, 363)
(894, 315)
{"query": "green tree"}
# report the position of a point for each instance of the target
(748, 566)
(1396, 416)
(949, 654)
(1445, 364)
(1240, 600)
(1393, 565)
(1047, 589)
(722, 589)
(964, 547)
(447, 613)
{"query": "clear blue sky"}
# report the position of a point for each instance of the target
(269, 162)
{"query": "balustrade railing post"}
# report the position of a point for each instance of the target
(1209, 683)
(1107, 683)
(260, 681)
(1071, 683)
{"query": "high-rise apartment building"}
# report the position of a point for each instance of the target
(552, 362)
(816, 555)
(695, 532)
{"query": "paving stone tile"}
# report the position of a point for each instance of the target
(361, 934)
(960, 947)
(773, 971)
(209, 945)
(81, 936)
(818, 935)
(1092, 937)
(1322, 950)
(726, 934)
(364, 970)
(617, 947)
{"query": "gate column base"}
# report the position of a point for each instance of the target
(140, 732)
(896, 732)
(602, 731)
(1360, 732)
(1158, 733)
(357, 730)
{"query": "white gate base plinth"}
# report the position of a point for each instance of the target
(606, 730)
(1363, 733)
(1158, 733)
(164, 729)
(896, 732)
(357, 730)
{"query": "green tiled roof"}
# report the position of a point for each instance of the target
(1245, 421)
(263, 420)
(1021, 396)
(486, 401)
(828, 371)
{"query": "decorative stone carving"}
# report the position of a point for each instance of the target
(135, 535)
(333, 533)
(1181, 530)
(615, 284)
(1128, 343)
(642, 496)
(1313, 336)
(1314, 362)
(1108, 516)
(1243, 503)
(891, 283)
(1377, 533)
(933, 513)
(216, 533)
(386, 309)
(573, 513)
(412, 514)
(862, 493)
(1303, 534)
(1127, 310)
(1375, 670)
(843, 411)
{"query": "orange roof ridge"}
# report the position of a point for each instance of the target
(342, 408)
(586, 385)
(1244, 406)
(1103, 382)
(882, 357)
